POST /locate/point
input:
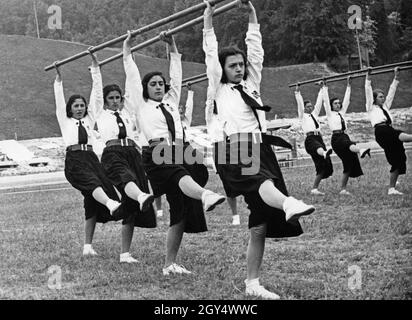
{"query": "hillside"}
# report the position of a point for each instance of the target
(27, 104)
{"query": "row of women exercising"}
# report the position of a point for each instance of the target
(117, 186)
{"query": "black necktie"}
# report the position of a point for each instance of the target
(82, 134)
(388, 118)
(122, 127)
(169, 121)
(342, 121)
(252, 103)
(314, 120)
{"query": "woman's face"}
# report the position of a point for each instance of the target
(156, 88)
(113, 100)
(78, 109)
(380, 99)
(336, 105)
(308, 107)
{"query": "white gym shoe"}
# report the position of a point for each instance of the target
(89, 251)
(159, 213)
(175, 269)
(328, 153)
(344, 192)
(317, 192)
(364, 152)
(127, 258)
(211, 199)
(393, 191)
(112, 205)
(260, 292)
(145, 200)
(236, 220)
(296, 208)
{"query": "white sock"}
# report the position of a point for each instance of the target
(391, 188)
(252, 283)
(87, 246)
(110, 204)
(286, 203)
(124, 254)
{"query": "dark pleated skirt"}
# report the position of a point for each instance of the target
(85, 173)
(388, 138)
(124, 165)
(164, 179)
(260, 160)
(323, 166)
(340, 145)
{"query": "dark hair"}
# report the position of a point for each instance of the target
(227, 52)
(109, 88)
(306, 102)
(69, 103)
(331, 101)
(146, 80)
(375, 94)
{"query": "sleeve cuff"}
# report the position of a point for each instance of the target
(175, 56)
(254, 27)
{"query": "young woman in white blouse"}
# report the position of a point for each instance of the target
(82, 167)
(123, 162)
(345, 148)
(390, 139)
(156, 106)
(234, 86)
(186, 118)
(314, 145)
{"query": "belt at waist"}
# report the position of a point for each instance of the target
(338, 131)
(312, 133)
(121, 142)
(382, 124)
(80, 147)
(165, 141)
(258, 137)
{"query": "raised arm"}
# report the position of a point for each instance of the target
(392, 90)
(368, 92)
(189, 106)
(326, 102)
(300, 103)
(175, 72)
(133, 97)
(346, 98)
(255, 53)
(59, 99)
(96, 102)
(319, 102)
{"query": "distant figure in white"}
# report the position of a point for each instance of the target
(342, 145)
(390, 139)
(314, 144)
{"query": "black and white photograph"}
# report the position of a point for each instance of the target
(208, 156)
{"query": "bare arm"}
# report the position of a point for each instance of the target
(326, 101)
(96, 102)
(319, 102)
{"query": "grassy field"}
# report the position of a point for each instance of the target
(27, 108)
(369, 230)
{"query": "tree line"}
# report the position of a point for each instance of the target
(294, 31)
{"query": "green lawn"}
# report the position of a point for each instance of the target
(369, 230)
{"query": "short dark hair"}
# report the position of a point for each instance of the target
(332, 100)
(375, 94)
(71, 100)
(146, 80)
(109, 88)
(227, 52)
(306, 102)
